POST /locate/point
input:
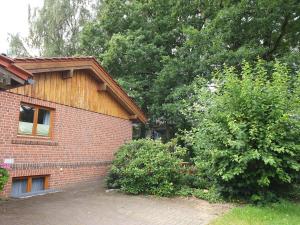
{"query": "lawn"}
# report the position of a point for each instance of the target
(283, 213)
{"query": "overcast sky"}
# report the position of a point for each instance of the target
(13, 19)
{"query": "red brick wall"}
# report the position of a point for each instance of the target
(82, 146)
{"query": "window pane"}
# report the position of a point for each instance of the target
(43, 125)
(26, 119)
(37, 184)
(19, 186)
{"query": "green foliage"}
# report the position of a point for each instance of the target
(17, 46)
(211, 195)
(55, 28)
(293, 194)
(247, 136)
(156, 47)
(130, 38)
(148, 167)
(3, 177)
(233, 31)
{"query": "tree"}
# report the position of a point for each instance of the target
(55, 28)
(17, 46)
(236, 31)
(131, 38)
(247, 135)
(163, 45)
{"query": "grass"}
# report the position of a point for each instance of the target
(282, 213)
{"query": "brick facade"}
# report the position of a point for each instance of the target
(81, 148)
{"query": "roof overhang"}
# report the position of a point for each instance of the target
(11, 75)
(42, 65)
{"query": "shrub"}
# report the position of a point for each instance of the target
(211, 195)
(3, 175)
(247, 139)
(147, 166)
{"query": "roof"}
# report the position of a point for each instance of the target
(39, 65)
(13, 71)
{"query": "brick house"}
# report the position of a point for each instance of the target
(64, 127)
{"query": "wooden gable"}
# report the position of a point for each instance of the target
(80, 91)
(76, 83)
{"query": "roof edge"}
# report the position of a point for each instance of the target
(17, 73)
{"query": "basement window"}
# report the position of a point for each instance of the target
(32, 184)
(35, 121)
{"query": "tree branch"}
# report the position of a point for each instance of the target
(284, 25)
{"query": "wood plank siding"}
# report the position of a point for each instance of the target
(80, 90)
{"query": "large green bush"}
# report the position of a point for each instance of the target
(147, 166)
(247, 136)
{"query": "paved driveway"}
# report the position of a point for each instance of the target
(92, 205)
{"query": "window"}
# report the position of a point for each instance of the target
(23, 185)
(34, 120)
(19, 186)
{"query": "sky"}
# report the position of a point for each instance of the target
(14, 19)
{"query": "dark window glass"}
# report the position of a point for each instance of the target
(43, 125)
(37, 184)
(26, 119)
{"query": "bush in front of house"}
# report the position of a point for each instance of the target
(247, 138)
(147, 167)
(3, 175)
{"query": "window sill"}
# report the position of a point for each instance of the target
(33, 137)
(38, 141)
(37, 193)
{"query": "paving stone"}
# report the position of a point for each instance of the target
(92, 205)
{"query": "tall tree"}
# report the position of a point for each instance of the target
(54, 29)
(156, 47)
(17, 46)
(237, 31)
(131, 38)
